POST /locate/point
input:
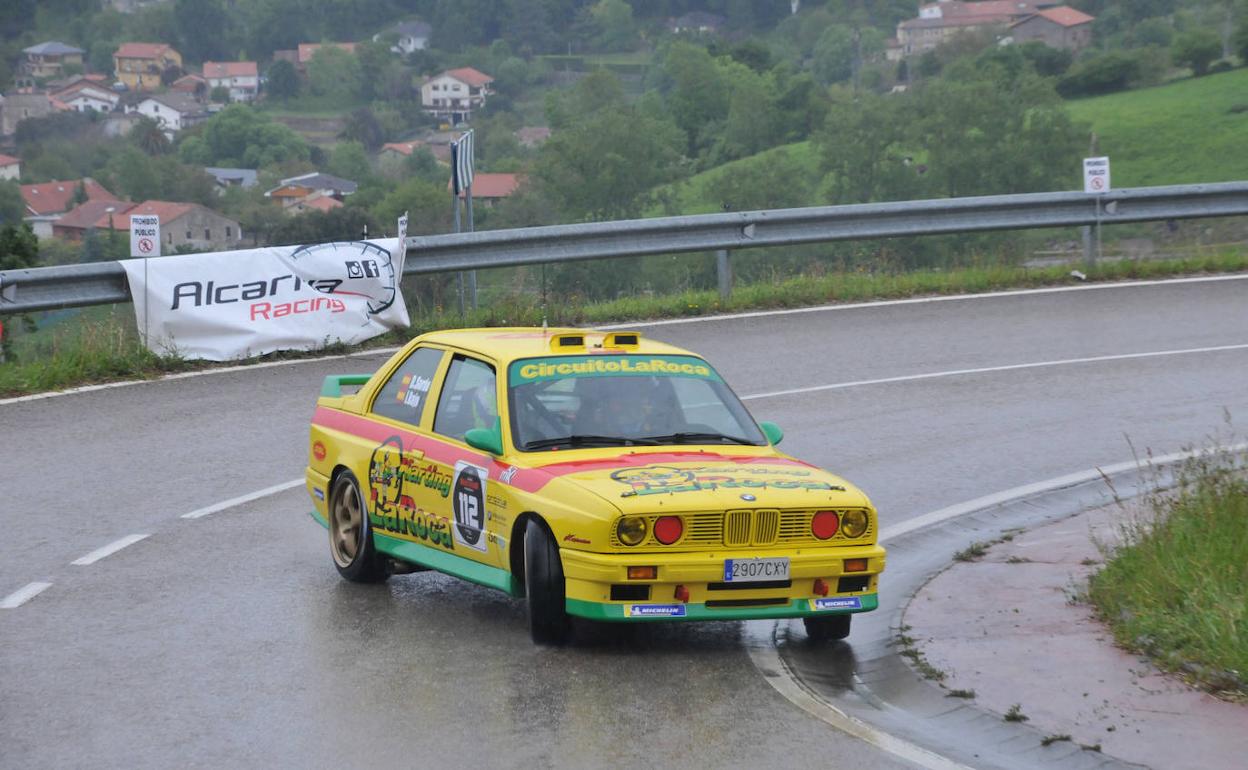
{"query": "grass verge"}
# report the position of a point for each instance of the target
(102, 346)
(1176, 588)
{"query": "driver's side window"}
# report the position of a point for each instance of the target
(404, 395)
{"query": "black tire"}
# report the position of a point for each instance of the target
(544, 587)
(350, 536)
(828, 627)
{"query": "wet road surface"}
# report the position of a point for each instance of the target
(230, 640)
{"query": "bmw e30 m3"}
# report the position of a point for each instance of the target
(599, 475)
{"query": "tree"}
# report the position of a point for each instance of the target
(776, 181)
(606, 165)
(696, 92)
(336, 74)
(753, 120)
(282, 80)
(363, 127)
(1102, 74)
(240, 136)
(350, 161)
(1197, 48)
(616, 29)
(19, 248)
(204, 29)
(12, 207)
(427, 202)
(1240, 40)
(343, 224)
(863, 148)
(219, 94)
(148, 136)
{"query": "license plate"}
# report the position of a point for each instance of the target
(756, 570)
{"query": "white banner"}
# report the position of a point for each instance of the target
(234, 304)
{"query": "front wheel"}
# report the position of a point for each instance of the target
(828, 627)
(350, 537)
(544, 586)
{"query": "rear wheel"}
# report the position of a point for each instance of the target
(544, 586)
(827, 627)
(350, 537)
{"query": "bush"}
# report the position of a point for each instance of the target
(1100, 75)
(1197, 48)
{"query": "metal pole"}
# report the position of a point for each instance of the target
(472, 274)
(455, 208)
(1098, 227)
(723, 271)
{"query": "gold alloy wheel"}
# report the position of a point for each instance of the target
(345, 521)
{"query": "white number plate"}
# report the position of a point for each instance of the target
(756, 570)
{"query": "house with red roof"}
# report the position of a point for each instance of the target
(182, 225)
(1061, 27)
(48, 201)
(139, 65)
(489, 189)
(315, 202)
(454, 94)
(10, 167)
(84, 95)
(938, 22)
(240, 78)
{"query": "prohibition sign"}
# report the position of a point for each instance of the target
(1097, 183)
(145, 245)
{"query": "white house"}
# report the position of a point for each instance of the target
(454, 94)
(412, 36)
(172, 111)
(10, 167)
(86, 96)
(241, 78)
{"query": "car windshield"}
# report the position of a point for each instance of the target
(623, 400)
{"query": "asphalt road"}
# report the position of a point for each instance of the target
(230, 641)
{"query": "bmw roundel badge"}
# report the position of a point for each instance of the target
(748, 498)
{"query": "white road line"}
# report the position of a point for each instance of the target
(221, 506)
(23, 595)
(987, 369)
(928, 300)
(668, 322)
(108, 550)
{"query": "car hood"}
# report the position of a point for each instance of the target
(646, 483)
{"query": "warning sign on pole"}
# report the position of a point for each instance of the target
(144, 236)
(1096, 175)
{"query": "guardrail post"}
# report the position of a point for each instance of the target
(723, 271)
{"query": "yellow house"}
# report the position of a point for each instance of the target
(139, 65)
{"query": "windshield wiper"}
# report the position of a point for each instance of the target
(586, 440)
(699, 438)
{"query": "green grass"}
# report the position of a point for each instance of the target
(101, 344)
(1182, 132)
(1177, 587)
(697, 194)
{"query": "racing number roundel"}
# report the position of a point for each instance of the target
(468, 503)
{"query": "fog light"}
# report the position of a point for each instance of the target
(821, 588)
(854, 523)
(643, 573)
(682, 594)
(855, 565)
(824, 524)
(631, 530)
(668, 529)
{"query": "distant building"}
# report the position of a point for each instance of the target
(489, 189)
(192, 84)
(453, 95)
(172, 111)
(47, 201)
(412, 36)
(306, 51)
(21, 106)
(297, 188)
(88, 96)
(140, 65)
(233, 177)
(532, 136)
(241, 78)
(10, 167)
(182, 225)
(940, 21)
(315, 202)
(1061, 27)
(49, 60)
(698, 23)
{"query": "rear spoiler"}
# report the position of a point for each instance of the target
(332, 387)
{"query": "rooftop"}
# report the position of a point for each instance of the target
(52, 48)
(54, 197)
(470, 76)
(142, 50)
(230, 69)
(1064, 16)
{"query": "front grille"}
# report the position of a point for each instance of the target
(737, 528)
(740, 528)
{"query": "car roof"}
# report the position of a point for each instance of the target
(505, 344)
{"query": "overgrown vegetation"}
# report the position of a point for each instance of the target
(1176, 588)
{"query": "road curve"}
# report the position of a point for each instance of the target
(229, 639)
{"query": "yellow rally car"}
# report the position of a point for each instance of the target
(597, 475)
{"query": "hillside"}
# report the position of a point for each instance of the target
(1193, 130)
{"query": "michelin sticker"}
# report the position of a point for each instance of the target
(468, 502)
(846, 603)
(656, 610)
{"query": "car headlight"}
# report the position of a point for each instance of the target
(854, 523)
(631, 530)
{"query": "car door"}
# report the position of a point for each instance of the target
(467, 399)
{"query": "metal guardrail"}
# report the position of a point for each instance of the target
(48, 288)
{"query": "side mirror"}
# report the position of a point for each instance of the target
(773, 432)
(486, 439)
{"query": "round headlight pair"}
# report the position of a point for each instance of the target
(854, 523)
